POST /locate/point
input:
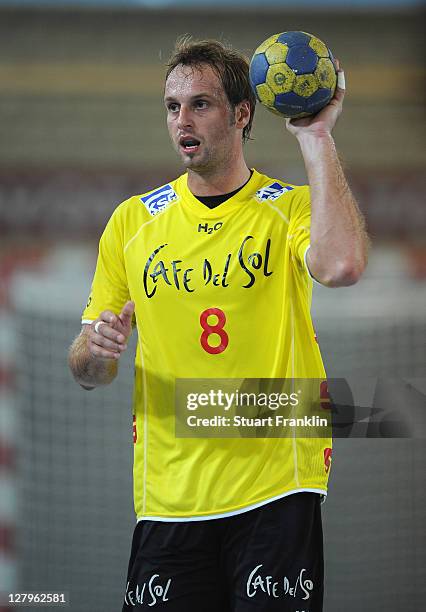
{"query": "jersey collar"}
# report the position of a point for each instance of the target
(201, 210)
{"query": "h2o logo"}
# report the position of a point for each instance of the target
(209, 229)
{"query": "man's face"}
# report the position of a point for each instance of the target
(200, 120)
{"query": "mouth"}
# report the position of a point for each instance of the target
(189, 144)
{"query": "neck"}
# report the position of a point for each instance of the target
(219, 180)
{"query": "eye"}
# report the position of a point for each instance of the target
(201, 104)
(173, 107)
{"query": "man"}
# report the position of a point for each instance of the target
(216, 270)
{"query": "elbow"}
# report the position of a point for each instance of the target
(345, 273)
(79, 377)
(86, 387)
(79, 365)
(341, 270)
(349, 270)
(349, 275)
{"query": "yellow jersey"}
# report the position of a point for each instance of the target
(243, 264)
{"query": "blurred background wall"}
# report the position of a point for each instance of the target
(82, 127)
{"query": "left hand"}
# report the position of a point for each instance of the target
(323, 122)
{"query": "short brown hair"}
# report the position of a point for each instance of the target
(231, 67)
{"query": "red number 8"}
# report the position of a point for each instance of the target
(213, 329)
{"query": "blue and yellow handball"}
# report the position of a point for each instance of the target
(293, 74)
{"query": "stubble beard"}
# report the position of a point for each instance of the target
(208, 162)
(198, 163)
(211, 161)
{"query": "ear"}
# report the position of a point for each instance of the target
(242, 114)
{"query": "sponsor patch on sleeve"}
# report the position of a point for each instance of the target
(158, 200)
(272, 192)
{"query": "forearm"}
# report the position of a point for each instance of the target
(339, 242)
(89, 371)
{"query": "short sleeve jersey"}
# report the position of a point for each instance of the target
(245, 259)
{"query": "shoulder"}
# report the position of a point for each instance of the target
(145, 206)
(286, 199)
(154, 201)
(279, 192)
(138, 210)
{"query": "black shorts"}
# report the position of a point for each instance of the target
(266, 559)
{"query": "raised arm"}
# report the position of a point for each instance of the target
(339, 243)
(94, 354)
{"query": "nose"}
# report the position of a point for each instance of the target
(185, 118)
